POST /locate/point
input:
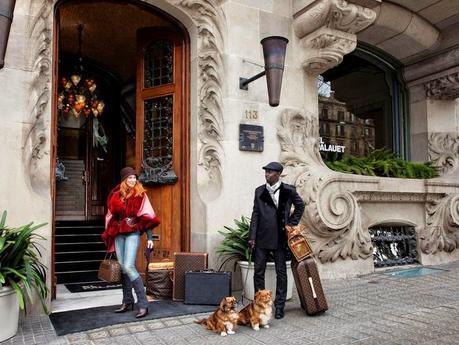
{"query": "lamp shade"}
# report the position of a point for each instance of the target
(274, 56)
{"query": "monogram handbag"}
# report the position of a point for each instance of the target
(297, 242)
(110, 269)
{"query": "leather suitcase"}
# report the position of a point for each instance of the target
(184, 262)
(207, 287)
(309, 287)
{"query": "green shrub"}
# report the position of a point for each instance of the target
(20, 265)
(383, 163)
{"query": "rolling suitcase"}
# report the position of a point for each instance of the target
(207, 287)
(308, 285)
(184, 262)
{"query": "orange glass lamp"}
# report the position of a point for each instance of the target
(297, 242)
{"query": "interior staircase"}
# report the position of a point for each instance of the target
(78, 251)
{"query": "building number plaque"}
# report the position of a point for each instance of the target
(251, 138)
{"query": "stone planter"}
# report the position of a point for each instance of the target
(9, 313)
(270, 278)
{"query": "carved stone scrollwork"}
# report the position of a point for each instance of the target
(444, 151)
(333, 14)
(441, 232)
(210, 22)
(36, 142)
(325, 49)
(445, 88)
(333, 219)
(327, 30)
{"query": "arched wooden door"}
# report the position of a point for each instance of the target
(162, 136)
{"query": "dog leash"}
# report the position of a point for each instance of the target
(241, 301)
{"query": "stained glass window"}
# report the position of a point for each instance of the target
(157, 142)
(158, 63)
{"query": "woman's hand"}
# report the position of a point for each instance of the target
(150, 244)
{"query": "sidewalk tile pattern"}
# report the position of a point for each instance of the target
(371, 310)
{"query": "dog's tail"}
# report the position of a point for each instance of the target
(201, 322)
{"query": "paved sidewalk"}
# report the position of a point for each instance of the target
(375, 309)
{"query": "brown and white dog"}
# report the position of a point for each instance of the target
(224, 319)
(259, 312)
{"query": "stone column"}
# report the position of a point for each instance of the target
(434, 111)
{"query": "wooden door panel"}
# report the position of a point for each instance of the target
(161, 126)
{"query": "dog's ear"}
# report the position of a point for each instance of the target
(223, 303)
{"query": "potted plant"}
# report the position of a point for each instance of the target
(235, 247)
(21, 273)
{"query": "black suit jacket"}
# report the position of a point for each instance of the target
(268, 222)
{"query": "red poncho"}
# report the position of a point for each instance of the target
(136, 207)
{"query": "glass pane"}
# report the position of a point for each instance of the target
(157, 142)
(158, 61)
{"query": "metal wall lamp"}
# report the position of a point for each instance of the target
(274, 55)
(6, 17)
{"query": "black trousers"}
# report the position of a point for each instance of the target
(260, 259)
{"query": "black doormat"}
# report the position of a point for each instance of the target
(91, 286)
(85, 319)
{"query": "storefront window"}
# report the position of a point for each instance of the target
(363, 101)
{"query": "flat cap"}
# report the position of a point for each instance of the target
(274, 166)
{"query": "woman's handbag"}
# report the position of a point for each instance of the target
(158, 278)
(110, 270)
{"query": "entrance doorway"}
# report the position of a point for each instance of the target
(121, 91)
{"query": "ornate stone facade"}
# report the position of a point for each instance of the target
(441, 232)
(36, 146)
(444, 151)
(328, 31)
(445, 88)
(210, 22)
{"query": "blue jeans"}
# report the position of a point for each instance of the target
(126, 246)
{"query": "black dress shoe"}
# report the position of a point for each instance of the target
(279, 313)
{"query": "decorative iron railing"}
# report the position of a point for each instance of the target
(393, 245)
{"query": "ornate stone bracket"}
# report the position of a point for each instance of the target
(444, 151)
(441, 232)
(333, 218)
(325, 49)
(444, 88)
(327, 29)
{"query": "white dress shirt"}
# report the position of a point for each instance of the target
(274, 191)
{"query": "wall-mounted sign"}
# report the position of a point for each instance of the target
(330, 147)
(251, 138)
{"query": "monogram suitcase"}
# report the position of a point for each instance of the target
(184, 262)
(307, 281)
(207, 287)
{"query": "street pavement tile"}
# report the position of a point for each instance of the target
(137, 328)
(118, 331)
(155, 325)
(172, 323)
(98, 335)
(76, 336)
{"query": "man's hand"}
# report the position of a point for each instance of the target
(251, 244)
(150, 244)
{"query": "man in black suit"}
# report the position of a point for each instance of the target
(271, 212)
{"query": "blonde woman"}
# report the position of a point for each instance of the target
(129, 215)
